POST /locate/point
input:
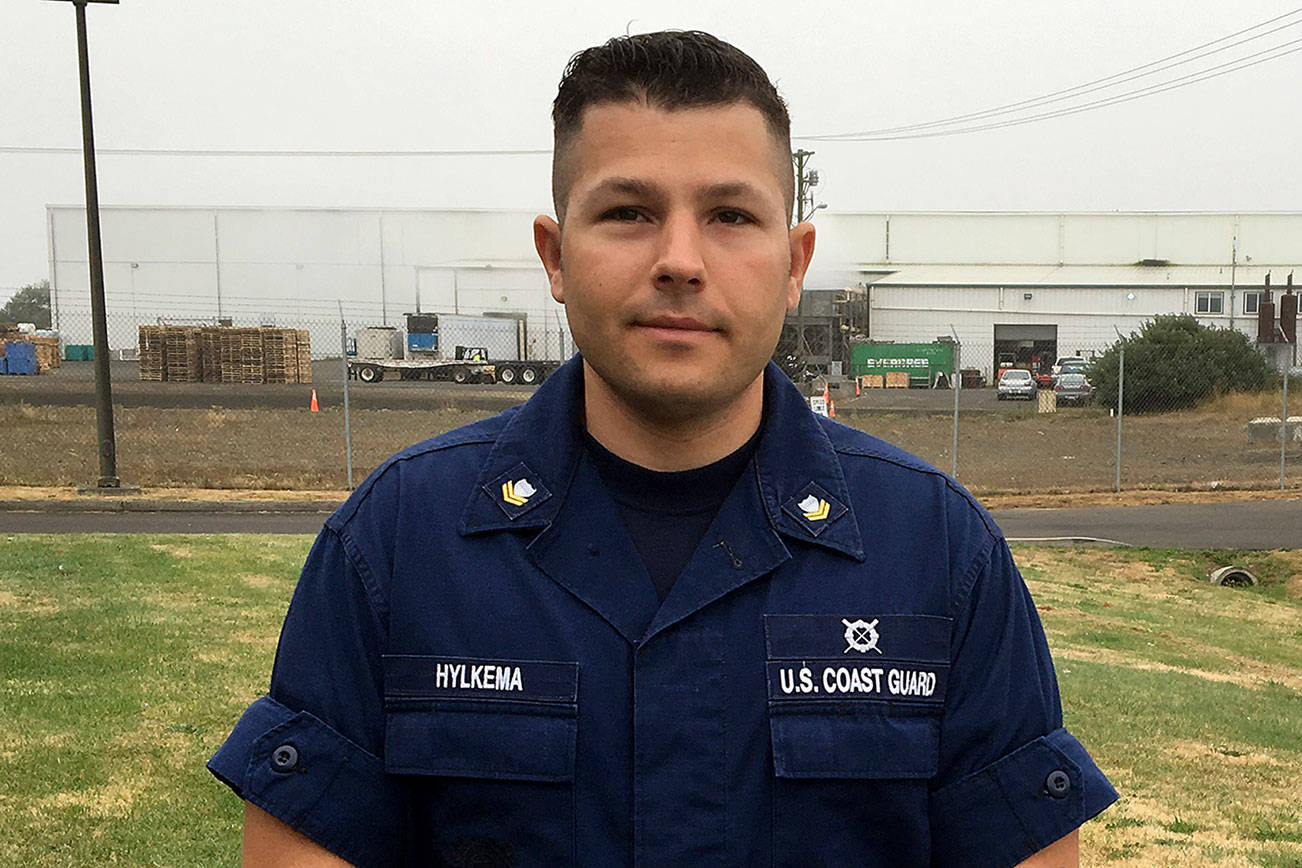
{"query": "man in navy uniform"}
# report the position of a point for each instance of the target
(662, 614)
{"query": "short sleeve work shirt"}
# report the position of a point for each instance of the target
(475, 668)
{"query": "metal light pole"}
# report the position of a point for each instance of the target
(108, 468)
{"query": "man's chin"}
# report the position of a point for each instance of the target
(674, 402)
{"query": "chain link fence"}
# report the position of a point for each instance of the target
(221, 406)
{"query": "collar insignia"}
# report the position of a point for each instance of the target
(517, 491)
(813, 508)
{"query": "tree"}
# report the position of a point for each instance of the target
(1174, 361)
(29, 304)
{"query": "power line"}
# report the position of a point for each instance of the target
(1089, 86)
(907, 131)
(1150, 90)
(250, 152)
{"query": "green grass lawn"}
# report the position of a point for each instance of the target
(125, 660)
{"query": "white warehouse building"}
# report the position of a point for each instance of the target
(1061, 284)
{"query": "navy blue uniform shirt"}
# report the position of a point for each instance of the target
(475, 669)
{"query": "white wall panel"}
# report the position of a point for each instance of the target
(1271, 239)
(1118, 239)
(841, 239)
(975, 238)
(341, 237)
(444, 237)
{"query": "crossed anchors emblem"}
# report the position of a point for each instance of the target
(814, 508)
(861, 635)
(517, 493)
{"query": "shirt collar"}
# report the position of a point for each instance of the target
(802, 488)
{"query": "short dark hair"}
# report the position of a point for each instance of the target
(670, 69)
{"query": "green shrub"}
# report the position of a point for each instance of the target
(1174, 362)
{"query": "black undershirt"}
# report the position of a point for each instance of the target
(668, 513)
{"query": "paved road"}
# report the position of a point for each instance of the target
(72, 385)
(1263, 525)
(1267, 524)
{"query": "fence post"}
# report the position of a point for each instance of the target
(1283, 425)
(1121, 390)
(956, 383)
(348, 428)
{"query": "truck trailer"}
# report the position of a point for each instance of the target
(456, 347)
(926, 364)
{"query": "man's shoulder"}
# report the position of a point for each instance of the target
(876, 469)
(447, 462)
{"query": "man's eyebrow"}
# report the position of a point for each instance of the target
(731, 189)
(627, 186)
(648, 190)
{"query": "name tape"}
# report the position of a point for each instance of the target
(414, 676)
(834, 680)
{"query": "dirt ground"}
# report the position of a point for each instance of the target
(1000, 455)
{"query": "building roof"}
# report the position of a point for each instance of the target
(1244, 276)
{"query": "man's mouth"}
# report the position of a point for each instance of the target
(675, 323)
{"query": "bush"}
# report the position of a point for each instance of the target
(29, 304)
(1174, 362)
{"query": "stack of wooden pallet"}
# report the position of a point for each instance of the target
(223, 354)
(46, 346)
(181, 355)
(210, 350)
(152, 345)
(252, 369)
(304, 350)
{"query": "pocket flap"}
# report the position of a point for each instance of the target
(480, 743)
(875, 744)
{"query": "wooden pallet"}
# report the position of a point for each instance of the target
(181, 354)
(304, 356)
(151, 344)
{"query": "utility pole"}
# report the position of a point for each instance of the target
(806, 180)
(108, 481)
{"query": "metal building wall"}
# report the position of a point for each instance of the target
(289, 266)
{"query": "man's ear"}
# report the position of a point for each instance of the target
(802, 252)
(547, 241)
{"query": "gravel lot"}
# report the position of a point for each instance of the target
(262, 436)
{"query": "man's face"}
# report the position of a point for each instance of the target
(675, 262)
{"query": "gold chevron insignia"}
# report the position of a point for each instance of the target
(817, 511)
(517, 493)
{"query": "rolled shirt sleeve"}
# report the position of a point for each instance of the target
(310, 752)
(1011, 780)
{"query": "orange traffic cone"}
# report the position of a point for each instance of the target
(858, 386)
(314, 406)
(827, 400)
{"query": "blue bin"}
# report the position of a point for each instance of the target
(4, 365)
(20, 358)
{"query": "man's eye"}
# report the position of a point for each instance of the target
(733, 217)
(623, 215)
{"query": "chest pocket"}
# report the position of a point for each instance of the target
(489, 749)
(854, 708)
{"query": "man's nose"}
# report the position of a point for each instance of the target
(680, 262)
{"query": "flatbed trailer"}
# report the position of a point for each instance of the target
(527, 372)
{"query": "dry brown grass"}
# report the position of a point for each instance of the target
(274, 451)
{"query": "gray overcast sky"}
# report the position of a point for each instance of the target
(423, 74)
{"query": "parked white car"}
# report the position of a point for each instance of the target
(1015, 383)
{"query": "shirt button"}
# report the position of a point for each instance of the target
(1058, 783)
(284, 758)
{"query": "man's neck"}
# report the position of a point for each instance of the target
(666, 445)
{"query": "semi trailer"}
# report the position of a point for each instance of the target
(456, 347)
